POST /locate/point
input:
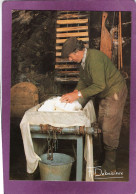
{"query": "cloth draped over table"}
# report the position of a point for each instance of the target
(57, 119)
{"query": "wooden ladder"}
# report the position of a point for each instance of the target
(69, 24)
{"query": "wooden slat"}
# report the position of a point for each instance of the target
(63, 35)
(63, 79)
(58, 54)
(62, 16)
(61, 60)
(67, 73)
(78, 21)
(60, 47)
(67, 66)
(76, 28)
(58, 41)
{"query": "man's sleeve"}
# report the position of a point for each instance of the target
(97, 73)
(81, 84)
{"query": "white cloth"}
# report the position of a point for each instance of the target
(34, 117)
(88, 153)
(55, 104)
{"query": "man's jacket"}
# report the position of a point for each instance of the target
(99, 76)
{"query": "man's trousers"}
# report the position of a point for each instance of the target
(110, 117)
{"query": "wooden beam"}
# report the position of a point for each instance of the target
(62, 60)
(60, 47)
(65, 80)
(68, 72)
(62, 16)
(120, 40)
(106, 38)
(78, 21)
(58, 54)
(62, 66)
(71, 34)
(59, 41)
(76, 28)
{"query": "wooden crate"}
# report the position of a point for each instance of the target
(69, 24)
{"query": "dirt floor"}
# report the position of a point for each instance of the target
(18, 162)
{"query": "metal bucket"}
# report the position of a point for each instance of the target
(58, 169)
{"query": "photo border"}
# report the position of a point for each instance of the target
(34, 187)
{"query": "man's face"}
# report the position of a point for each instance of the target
(75, 56)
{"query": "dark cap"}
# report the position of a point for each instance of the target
(69, 47)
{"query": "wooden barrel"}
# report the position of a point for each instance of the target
(24, 96)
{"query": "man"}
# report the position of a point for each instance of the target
(99, 77)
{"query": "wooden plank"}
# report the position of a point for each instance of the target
(63, 35)
(60, 47)
(67, 73)
(78, 21)
(58, 54)
(62, 60)
(120, 40)
(62, 16)
(119, 46)
(59, 41)
(106, 39)
(65, 80)
(67, 66)
(76, 28)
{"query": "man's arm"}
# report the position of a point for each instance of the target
(71, 97)
(80, 85)
(97, 72)
(98, 85)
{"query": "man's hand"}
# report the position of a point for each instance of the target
(70, 97)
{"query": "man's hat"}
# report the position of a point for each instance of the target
(69, 47)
